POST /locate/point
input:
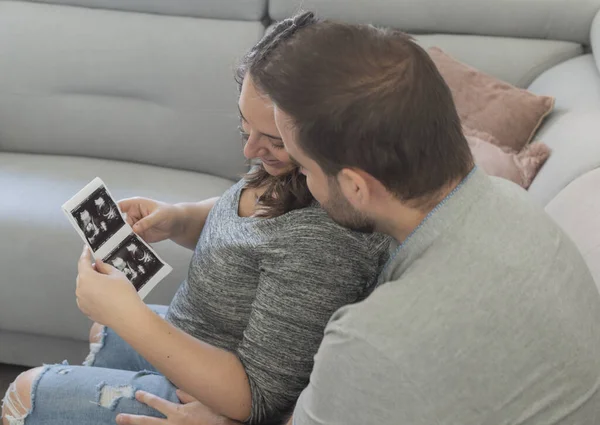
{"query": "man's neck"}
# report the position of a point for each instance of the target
(399, 219)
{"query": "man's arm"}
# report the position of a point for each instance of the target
(353, 383)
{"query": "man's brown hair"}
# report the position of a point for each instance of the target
(369, 98)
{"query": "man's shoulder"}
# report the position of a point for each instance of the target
(505, 199)
(505, 222)
(504, 237)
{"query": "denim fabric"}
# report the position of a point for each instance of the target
(114, 353)
(84, 395)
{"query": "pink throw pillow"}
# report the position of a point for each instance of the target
(519, 167)
(512, 115)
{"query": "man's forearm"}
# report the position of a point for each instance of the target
(194, 216)
(215, 377)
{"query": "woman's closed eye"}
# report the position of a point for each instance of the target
(245, 136)
(276, 143)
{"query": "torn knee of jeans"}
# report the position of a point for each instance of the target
(63, 371)
(109, 396)
(95, 347)
(13, 409)
(144, 372)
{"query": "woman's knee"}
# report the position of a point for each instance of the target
(96, 333)
(17, 402)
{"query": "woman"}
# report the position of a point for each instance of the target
(269, 269)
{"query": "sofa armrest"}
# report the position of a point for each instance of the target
(595, 38)
(577, 210)
(574, 139)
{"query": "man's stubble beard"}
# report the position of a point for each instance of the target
(341, 212)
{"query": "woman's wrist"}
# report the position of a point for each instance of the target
(189, 221)
(181, 220)
(130, 321)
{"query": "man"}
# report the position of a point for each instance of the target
(486, 312)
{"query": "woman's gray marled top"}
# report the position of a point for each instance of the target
(266, 288)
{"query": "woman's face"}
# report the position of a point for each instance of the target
(261, 137)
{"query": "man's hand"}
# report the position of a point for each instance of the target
(190, 412)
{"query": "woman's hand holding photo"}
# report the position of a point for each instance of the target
(154, 221)
(104, 294)
(157, 221)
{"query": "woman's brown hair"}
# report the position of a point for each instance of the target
(289, 191)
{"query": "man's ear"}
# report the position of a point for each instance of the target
(354, 186)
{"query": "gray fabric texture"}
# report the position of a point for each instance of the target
(253, 10)
(39, 248)
(265, 289)
(568, 20)
(487, 315)
(127, 86)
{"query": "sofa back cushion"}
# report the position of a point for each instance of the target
(517, 61)
(513, 40)
(252, 10)
(568, 20)
(122, 85)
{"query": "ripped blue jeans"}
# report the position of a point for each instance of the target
(96, 393)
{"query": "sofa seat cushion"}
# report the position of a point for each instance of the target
(38, 246)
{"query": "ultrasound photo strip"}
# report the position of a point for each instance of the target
(96, 214)
(139, 263)
(96, 217)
